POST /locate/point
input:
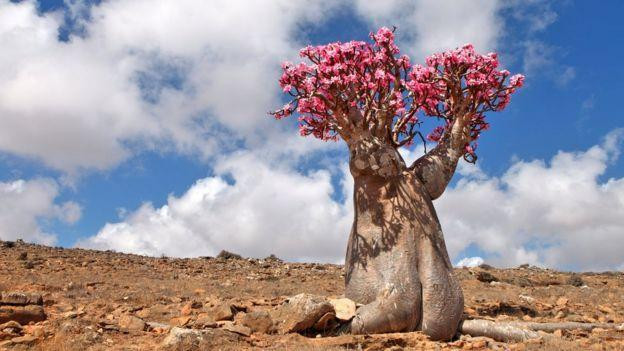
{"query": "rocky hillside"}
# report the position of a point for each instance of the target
(73, 299)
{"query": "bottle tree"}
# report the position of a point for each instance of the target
(374, 99)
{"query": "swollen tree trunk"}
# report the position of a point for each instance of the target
(397, 265)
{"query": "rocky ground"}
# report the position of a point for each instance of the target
(73, 299)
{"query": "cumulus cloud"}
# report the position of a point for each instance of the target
(25, 204)
(188, 76)
(429, 26)
(538, 14)
(470, 262)
(558, 213)
(251, 206)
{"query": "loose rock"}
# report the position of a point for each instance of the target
(229, 255)
(238, 329)
(222, 312)
(24, 340)
(189, 339)
(562, 301)
(485, 277)
(179, 336)
(132, 323)
(180, 321)
(11, 326)
(20, 299)
(259, 322)
(300, 312)
(204, 321)
(22, 314)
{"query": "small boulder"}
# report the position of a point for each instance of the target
(20, 299)
(180, 321)
(485, 277)
(22, 314)
(221, 312)
(180, 337)
(300, 312)
(24, 340)
(11, 327)
(189, 339)
(158, 327)
(236, 328)
(204, 321)
(132, 323)
(259, 322)
(229, 255)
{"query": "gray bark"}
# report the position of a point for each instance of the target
(523, 331)
(397, 264)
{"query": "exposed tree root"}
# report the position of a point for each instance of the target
(523, 331)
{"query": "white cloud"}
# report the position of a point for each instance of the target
(185, 76)
(66, 104)
(558, 214)
(537, 55)
(270, 208)
(538, 14)
(470, 262)
(429, 26)
(188, 76)
(541, 59)
(26, 203)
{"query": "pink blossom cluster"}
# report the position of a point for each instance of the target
(472, 83)
(386, 90)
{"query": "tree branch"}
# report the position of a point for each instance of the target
(436, 168)
(523, 331)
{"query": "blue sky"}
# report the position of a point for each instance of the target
(122, 114)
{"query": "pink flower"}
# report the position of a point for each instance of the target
(374, 76)
(516, 80)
